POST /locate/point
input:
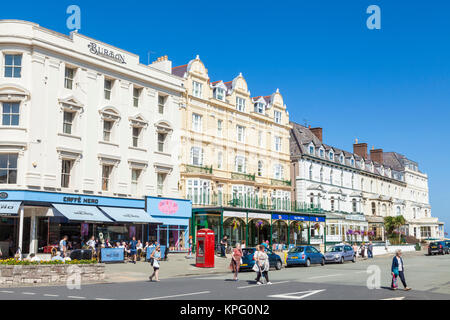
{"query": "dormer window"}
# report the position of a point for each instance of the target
(331, 156)
(311, 150)
(219, 94)
(277, 117)
(352, 162)
(322, 153)
(341, 159)
(259, 107)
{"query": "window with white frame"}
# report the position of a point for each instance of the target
(278, 144)
(259, 107)
(219, 160)
(13, 65)
(240, 133)
(136, 96)
(277, 117)
(240, 104)
(161, 103)
(108, 88)
(66, 168)
(240, 164)
(331, 176)
(322, 153)
(8, 168)
(331, 156)
(219, 94)
(106, 177)
(198, 191)
(197, 89)
(135, 175)
(161, 141)
(69, 76)
(136, 133)
(310, 172)
(332, 204)
(311, 150)
(161, 183)
(219, 128)
(10, 113)
(354, 206)
(107, 130)
(260, 168)
(196, 122)
(260, 138)
(196, 156)
(278, 172)
(68, 118)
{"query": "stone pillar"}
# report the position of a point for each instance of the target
(33, 234)
(21, 213)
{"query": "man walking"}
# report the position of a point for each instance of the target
(398, 270)
(223, 244)
(63, 246)
(370, 250)
(133, 249)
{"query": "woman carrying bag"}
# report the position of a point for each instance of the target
(236, 260)
(155, 257)
(261, 265)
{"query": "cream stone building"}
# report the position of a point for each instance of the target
(235, 152)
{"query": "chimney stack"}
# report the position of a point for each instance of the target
(360, 149)
(377, 155)
(317, 132)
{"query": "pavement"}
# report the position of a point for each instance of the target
(429, 277)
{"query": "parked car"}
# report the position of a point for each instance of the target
(304, 255)
(438, 247)
(248, 262)
(340, 254)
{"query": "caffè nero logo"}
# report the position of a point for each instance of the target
(3, 195)
(106, 53)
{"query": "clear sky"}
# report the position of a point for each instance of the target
(389, 88)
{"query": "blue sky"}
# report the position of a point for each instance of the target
(388, 88)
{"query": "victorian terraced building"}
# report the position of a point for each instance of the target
(357, 190)
(235, 159)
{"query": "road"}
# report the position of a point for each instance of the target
(428, 276)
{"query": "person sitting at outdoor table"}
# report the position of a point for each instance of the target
(33, 258)
(140, 249)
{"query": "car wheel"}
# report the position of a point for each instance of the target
(323, 262)
(278, 265)
(308, 263)
(342, 260)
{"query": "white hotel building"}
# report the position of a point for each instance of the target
(357, 190)
(81, 118)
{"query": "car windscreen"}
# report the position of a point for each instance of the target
(248, 251)
(336, 249)
(296, 250)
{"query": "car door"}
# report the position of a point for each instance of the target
(315, 255)
(348, 255)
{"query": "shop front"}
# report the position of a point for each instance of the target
(41, 219)
(174, 215)
(348, 228)
(252, 227)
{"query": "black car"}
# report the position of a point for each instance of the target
(438, 247)
(248, 262)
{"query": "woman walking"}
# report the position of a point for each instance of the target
(155, 258)
(236, 260)
(261, 265)
(397, 271)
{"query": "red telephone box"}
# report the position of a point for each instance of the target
(205, 249)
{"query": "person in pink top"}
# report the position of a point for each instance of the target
(236, 260)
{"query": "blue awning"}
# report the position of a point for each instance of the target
(9, 208)
(173, 221)
(129, 215)
(81, 213)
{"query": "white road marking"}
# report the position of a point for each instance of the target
(29, 293)
(178, 295)
(50, 295)
(256, 286)
(75, 297)
(102, 299)
(294, 295)
(330, 275)
(397, 298)
(5, 291)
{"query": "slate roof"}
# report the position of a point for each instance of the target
(180, 70)
(301, 138)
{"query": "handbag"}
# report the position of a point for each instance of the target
(395, 270)
(256, 267)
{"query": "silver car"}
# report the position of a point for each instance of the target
(340, 254)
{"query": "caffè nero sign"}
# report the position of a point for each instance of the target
(106, 53)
